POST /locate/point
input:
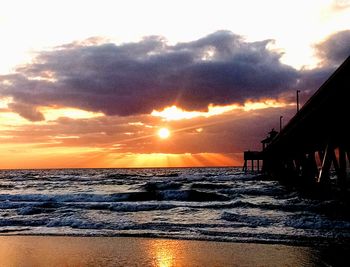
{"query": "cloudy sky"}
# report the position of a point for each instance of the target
(157, 83)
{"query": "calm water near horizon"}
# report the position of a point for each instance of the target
(222, 204)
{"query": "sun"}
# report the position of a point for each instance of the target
(164, 133)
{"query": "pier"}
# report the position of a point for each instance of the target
(317, 139)
(255, 158)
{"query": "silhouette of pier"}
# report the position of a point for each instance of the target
(317, 138)
(253, 157)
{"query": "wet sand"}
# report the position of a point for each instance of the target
(125, 251)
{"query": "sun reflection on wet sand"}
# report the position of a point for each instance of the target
(125, 251)
(163, 253)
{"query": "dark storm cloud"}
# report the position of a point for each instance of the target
(135, 78)
(27, 111)
(310, 80)
(335, 49)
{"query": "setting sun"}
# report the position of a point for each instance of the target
(164, 133)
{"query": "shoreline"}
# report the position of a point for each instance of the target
(33, 250)
(301, 242)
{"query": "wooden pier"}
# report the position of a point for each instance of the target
(252, 157)
(317, 137)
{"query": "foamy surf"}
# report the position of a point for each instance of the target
(221, 204)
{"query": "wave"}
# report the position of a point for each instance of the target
(315, 221)
(252, 221)
(125, 207)
(51, 200)
(212, 204)
(210, 186)
(154, 186)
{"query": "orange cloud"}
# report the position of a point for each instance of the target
(53, 113)
(90, 140)
(175, 113)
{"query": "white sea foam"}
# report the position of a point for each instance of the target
(208, 203)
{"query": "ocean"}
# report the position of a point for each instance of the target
(221, 204)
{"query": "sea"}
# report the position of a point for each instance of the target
(220, 204)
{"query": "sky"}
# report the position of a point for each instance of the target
(157, 83)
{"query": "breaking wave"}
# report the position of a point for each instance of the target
(200, 203)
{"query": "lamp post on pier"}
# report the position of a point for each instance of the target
(298, 91)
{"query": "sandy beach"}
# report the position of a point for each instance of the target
(124, 251)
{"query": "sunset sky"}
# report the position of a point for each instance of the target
(157, 83)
